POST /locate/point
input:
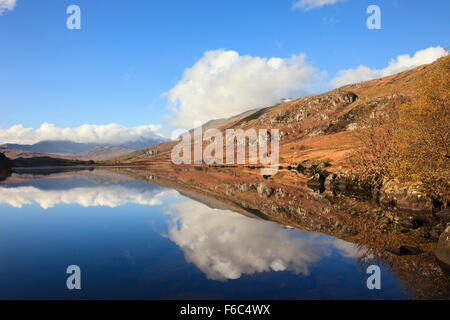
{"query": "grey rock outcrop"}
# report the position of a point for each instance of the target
(264, 190)
(405, 197)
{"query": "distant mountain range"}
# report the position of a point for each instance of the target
(76, 147)
(76, 150)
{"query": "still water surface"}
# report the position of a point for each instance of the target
(135, 240)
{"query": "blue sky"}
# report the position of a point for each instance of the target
(128, 54)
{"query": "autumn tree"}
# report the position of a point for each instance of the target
(373, 157)
(421, 140)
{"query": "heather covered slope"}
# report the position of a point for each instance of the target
(314, 128)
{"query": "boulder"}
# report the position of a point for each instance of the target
(405, 197)
(340, 182)
(409, 222)
(264, 190)
(443, 246)
(280, 193)
(328, 181)
(316, 182)
(244, 187)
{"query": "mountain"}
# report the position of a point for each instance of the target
(52, 147)
(318, 127)
(75, 150)
(217, 123)
(139, 144)
(76, 147)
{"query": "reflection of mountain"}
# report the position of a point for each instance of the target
(224, 244)
(90, 189)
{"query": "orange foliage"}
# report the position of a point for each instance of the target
(410, 142)
(373, 158)
(421, 140)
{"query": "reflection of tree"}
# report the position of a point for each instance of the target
(420, 275)
(346, 219)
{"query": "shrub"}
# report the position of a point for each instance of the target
(421, 140)
(410, 142)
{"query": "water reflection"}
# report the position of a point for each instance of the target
(88, 189)
(224, 244)
(109, 196)
(221, 243)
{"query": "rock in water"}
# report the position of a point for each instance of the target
(443, 246)
(444, 215)
(405, 197)
(403, 250)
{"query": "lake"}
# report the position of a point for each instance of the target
(135, 240)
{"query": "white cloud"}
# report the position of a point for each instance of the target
(88, 133)
(224, 83)
(312, 4)
(401, 63)
(7, 5)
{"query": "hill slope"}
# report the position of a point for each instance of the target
(315, 128)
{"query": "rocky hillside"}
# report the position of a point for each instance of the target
(315, 128)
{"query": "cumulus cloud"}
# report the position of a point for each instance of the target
(312, 4)
(224, 244)
(110, 196)
(7, 5)
(88, 133)
(225, 83)
(401, 63)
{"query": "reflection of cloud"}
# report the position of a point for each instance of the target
(108, 195)
(224, 244)
(348, 249)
